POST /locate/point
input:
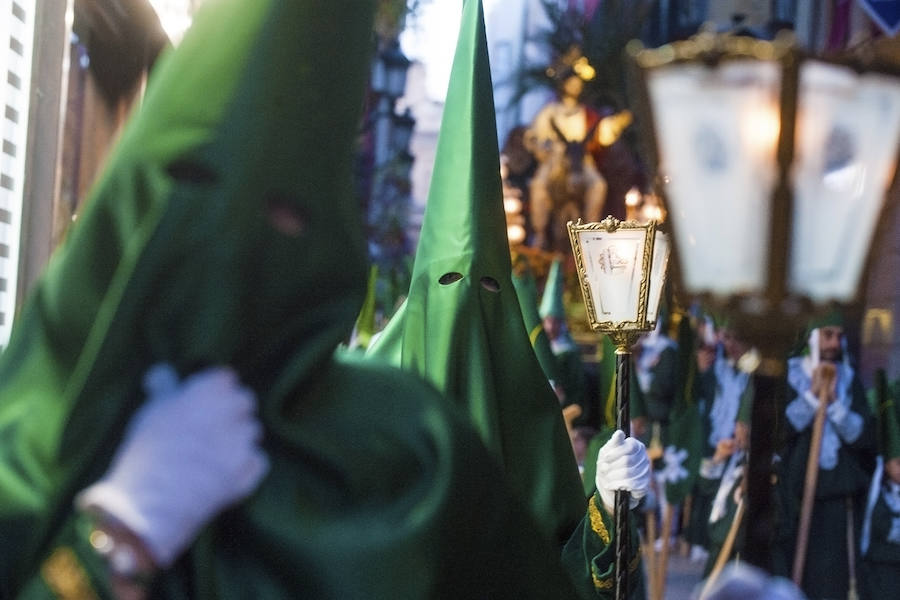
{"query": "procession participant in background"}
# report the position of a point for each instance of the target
(725, 525)
(656, 367)
(845, 461)
(720, 386)
(879, 568)
(676, 470)
(225, 231)
(703, 391)
(526, 292)
(568, 355)
(461, 328)
(655, 362)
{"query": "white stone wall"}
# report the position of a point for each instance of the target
(16, 45)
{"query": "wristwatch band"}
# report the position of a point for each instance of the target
(120, 555)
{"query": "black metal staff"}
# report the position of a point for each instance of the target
(623, 498)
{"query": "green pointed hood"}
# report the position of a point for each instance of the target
(552, 304)
(461, 326)
(526, 291)
(552, 301)
(223, 231)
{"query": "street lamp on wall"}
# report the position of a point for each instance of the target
(402, 131)
(389, 71)
(621, 268)
(774, 166)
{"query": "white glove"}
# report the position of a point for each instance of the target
(622, 464)
(190, 451)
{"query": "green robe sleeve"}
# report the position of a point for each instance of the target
(590, 554)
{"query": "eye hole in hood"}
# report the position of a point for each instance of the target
(451, 277)
(185, 170)
(284, 215)
(490, 284)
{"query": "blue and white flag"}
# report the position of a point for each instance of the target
(885, 13)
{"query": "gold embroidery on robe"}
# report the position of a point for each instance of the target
(602, 584)
(65, 576)
(597, 524)
(606, 583)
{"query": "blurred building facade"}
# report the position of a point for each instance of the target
(73, 70)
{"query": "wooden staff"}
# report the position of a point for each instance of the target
(654, 452)
(650, 551)
(664, 554)
(852, 594)
(686, 524)
(727, 547)
(827, 374)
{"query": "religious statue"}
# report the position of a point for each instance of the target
(565, 136)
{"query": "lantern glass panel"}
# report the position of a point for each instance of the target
(717, 131)
(848, 127)
(657, 275)
(614, 265)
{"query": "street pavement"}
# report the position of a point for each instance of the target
(682, 576)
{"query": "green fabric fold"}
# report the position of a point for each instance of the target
(365, 322)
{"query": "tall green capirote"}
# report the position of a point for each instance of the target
(567, 352)
(526, 292)
(683, 439)
(461, 325)
(552, 301)
(224, 231)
